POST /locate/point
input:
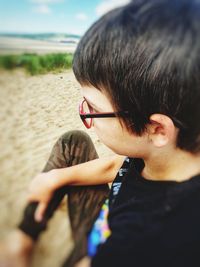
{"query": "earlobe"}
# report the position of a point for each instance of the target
(160, 140)
(161, 130)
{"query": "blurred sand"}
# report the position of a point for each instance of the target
(13, 45)
(34, 112)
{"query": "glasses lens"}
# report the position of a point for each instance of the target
(87, 110)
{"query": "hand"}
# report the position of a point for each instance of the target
(41, 190)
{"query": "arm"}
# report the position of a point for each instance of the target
(94, 172)
(98, 171)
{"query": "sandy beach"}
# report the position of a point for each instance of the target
(13, 45)
(34, 112)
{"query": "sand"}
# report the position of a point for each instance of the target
(34, 112)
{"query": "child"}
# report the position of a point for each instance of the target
(139, 71)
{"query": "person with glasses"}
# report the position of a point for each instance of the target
(138, 67)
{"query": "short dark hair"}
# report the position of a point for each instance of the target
(146, 56)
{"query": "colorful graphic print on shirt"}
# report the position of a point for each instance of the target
(100, 231)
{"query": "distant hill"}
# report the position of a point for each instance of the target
(51, 37)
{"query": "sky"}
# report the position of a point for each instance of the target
(59, 16)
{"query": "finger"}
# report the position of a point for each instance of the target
(39, 213)
(31, 198)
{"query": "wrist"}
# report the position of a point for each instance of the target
(55, 179)
(59, 178)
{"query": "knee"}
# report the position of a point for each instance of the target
(75, 136)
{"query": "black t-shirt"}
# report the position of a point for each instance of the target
(153, 223)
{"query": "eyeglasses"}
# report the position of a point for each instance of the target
(87, 114)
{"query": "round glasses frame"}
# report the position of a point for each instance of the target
(84, 115)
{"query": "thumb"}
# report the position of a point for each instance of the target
(39, 213)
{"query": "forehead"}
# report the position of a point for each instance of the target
(91, 92)
(95, 96)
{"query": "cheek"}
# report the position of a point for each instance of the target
(101, 129)
(109, 132)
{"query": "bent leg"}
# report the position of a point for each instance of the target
(72, 148)
(84, 204)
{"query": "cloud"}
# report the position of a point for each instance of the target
(81, 16)
(108, 5)
(46, 2)
(43, 6)
(42, 9)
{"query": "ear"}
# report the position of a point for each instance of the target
(161, 130)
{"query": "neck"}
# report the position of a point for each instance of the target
(175, 166)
